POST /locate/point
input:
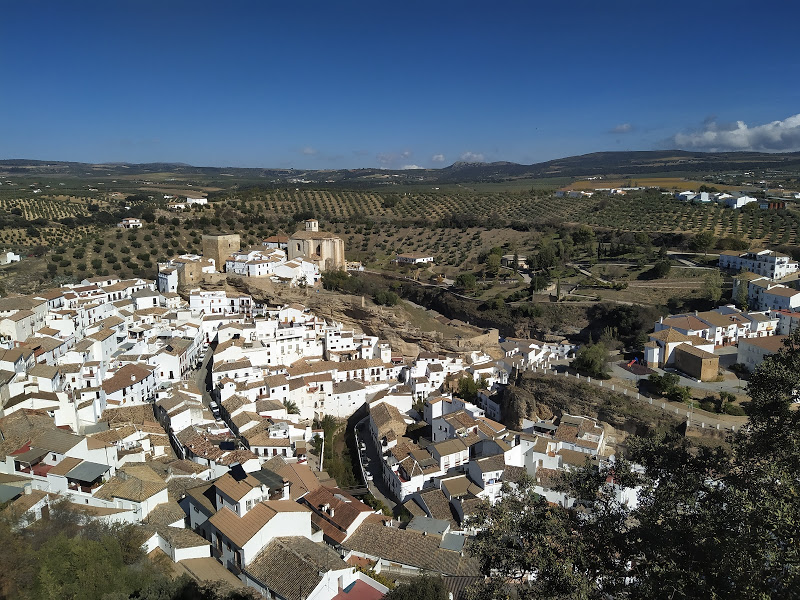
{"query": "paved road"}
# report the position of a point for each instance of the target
(372, 463)
(202, 376)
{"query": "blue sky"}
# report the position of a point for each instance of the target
(311, 84)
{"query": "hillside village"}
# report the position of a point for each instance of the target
(197, 417)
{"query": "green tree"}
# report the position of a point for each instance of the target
(592, 359)
(709, 522)
(740, 296)
(468, 389)
(703, 242)
(712, 286)
(291, 407)
(466, 281)
(493, 264)
(661, 269)
(528, 547)
(425, 587)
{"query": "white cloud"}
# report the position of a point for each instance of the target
(472, 157)
(385, 159)
(393, 160)
(407, 167)
(437, 158)
(309, 151)
(777, 136)
(622, 128)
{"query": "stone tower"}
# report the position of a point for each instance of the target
(220, 247)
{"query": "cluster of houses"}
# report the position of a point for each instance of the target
(101, 408)
(296, 260)
(687, 342)
(468, 457)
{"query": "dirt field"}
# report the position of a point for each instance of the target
(676, 183)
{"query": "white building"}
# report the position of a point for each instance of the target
(8, 257)
(414, 258)
(130, 223)
(220, 302)
(739, 202)
(766, 263)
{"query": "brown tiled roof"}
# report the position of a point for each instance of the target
(301, 478)
(438, 505)
(408, 547)
(291, 566)
(55, 440)
(449, 446)
(132, 488)
(491, 463)
(166, 513)
(346, 509)
(65, 466)
(699, 353)
(236, 489)
(240, 530)
(388, 418)
(460, 486)
(772, 343)
(125, 377)
(460, 419)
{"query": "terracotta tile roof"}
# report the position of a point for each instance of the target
(132, 488)
(346, 509)
(126, 376)
(240, 530)
(291, 566)
(234, 489)
(412, 548)
(300, 477)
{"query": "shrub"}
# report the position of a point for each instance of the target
(592, 359)
(734, 410)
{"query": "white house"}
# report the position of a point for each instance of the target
(414, 258)
(130, 223)
(766, 263)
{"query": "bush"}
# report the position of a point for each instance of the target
(592, 360)
(734, 410)
(663, 385)
(466, 281)
(386, 298)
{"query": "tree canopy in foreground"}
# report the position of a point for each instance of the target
(709, 523)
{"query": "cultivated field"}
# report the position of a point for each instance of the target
(457, 225)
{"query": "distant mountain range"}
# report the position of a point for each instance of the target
(598, 163)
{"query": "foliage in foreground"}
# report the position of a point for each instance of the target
(709, 523)
(421, 588)
(69, 557)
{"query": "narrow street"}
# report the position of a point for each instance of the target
(372, 464)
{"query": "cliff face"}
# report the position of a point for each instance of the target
(538, 396)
